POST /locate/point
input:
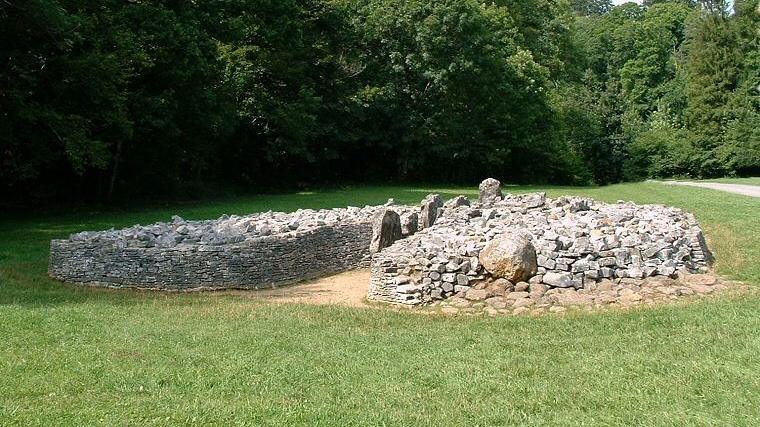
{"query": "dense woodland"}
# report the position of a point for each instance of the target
(115, 99)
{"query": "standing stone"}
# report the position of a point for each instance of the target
(430, 206)
(409, 223)
(457, 202)
(386, 229)
(490, 191)
(510, 256)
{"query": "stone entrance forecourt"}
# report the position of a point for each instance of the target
(499, 250)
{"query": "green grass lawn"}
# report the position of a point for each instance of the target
(745, 181)
(75, 357)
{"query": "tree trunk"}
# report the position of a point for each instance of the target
(115, 171)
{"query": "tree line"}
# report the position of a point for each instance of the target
(114, 98)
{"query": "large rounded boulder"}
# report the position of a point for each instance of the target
(510, 256)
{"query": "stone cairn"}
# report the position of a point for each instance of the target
(503, 253)
(511, 251)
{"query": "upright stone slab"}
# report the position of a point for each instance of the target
(410, 222)
(430, 206)
(490, 191)
(386, 229)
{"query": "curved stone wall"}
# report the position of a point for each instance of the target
(111, 260)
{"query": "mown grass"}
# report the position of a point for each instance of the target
(745, 181)
(73, 356)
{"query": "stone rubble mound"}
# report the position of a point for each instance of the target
(228, 229)
(577, 241)
(504, 250)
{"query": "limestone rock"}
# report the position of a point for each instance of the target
(409, 223)
(386, 229)
(476, 294)
(496, 302)
(521, 286)
(510, 256)
(699, 279)
(558, 279)
(457, 202)
(490, 191)
(430, 206)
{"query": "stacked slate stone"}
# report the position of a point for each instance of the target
(259, 250)
(227, 229)
(572, 241)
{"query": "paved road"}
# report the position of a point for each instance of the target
(745, 190)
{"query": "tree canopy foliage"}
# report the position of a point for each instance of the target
(118, 99)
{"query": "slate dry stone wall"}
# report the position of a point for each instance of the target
(250, 252)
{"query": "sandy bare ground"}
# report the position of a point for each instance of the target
(745, 190)
(347, 289)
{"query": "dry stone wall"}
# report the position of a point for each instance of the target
(250, 252)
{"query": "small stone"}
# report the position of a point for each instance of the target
(496, 302)
(409, 223)
(518, 295)
(523, 302)
(476, 294)
(449, 310)
(538, 289)
(521, 286)
(604, 285)
(699, 279)
(520, 310)
(458, 302)
(504, 284)
(491, 311)
(559, 280)
(407, 289)
(400, 280)
(628, 296)
(572, 297)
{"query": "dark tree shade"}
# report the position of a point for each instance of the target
(124, 99)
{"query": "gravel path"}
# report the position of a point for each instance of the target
(745, 190)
